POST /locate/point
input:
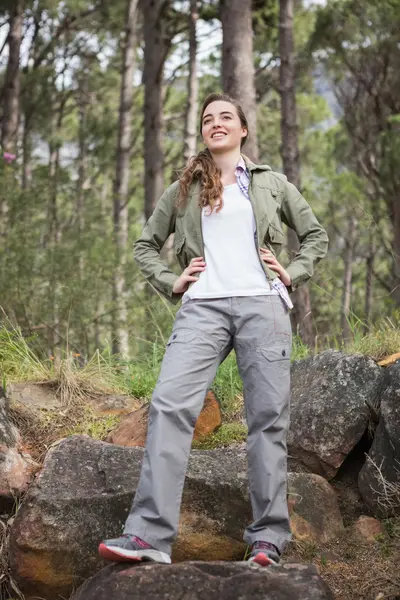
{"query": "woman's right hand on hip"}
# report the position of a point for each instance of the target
(196, 265)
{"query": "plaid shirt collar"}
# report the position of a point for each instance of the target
(242, 177)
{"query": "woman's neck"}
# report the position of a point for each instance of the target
(227, 163)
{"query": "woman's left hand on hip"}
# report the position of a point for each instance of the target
(274, 265)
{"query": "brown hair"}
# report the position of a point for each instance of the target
(203, 168)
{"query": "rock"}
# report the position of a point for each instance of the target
(34, 396)
(368, 528)
(389, 360)
(16, 473)
(379, 479)
(132, 430)
(210, 417)
(205, 581)
(103, 404)
(83, 494)
(42, 397)
(313, 507)
(16, 468)
(330, 407)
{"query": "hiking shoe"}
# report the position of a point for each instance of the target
(130, 548)
(264, 554)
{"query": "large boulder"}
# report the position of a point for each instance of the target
(331, 401)
(379, 479)
(205, 581)
(83, 495)
(16, 467)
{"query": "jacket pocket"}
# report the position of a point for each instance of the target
(275, 233)
(180, 252)
(179, 243)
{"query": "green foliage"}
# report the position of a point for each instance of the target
(227, 434)
(382, 340)
(94, 426)
(18, 360)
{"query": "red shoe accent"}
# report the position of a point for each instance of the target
(262, 559)
(114, 555)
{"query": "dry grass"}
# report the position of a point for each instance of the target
(383, 339)
(388, 494)
(354, 569)
(8, 587)
(39, 430)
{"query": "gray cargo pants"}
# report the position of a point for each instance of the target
(204, 332)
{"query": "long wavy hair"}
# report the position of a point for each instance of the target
(202, 167)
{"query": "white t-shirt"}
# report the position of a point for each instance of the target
(233, 266)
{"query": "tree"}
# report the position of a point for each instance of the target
(156, 47)
(237, 63)
(11, 94)
(362, 54)
(121, 185)
(301, 315)
(192, 101)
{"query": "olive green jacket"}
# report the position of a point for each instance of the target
(274, 201)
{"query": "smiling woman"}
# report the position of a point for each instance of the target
(226, 213)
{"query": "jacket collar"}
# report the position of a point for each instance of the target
(253, 167)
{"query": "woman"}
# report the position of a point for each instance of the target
(227, 216)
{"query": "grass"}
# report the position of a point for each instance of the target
(382, 339)
(228, 433)
(39, 429)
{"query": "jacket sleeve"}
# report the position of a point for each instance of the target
(298, 215)
(148, 247)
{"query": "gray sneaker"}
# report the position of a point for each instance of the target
(264, 554)
(130, 548)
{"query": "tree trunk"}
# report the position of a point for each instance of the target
(369, 281)
(121, 185)
(347, 277)
(396, 249)
(11, 95)
(237, 63)
(192, 101)
(26, 154)
(301, 314)
(54, 240)
(12, 80)
(155, 52)
(83, 102)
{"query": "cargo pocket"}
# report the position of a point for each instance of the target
(181, 336)
(279, 355)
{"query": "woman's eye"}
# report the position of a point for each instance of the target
(226, 117)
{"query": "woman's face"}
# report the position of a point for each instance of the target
(221, 128)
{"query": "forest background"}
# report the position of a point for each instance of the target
(99, 111)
